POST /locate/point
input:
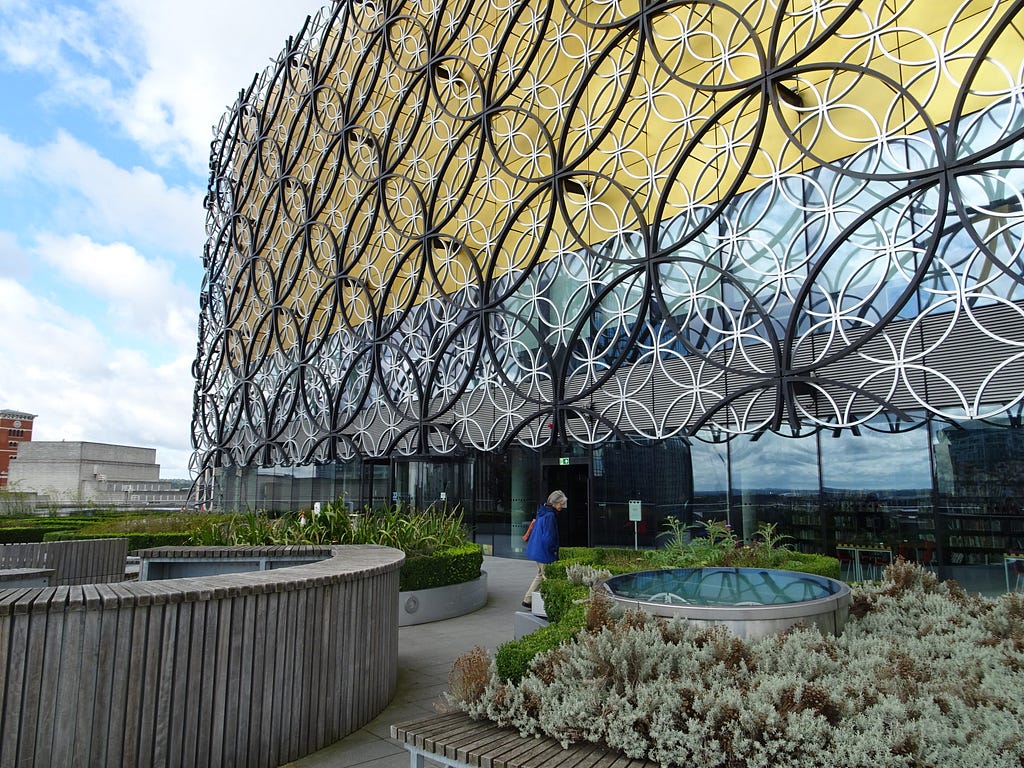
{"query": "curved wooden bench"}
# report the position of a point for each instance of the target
(253, 669)
(83, 561)
(457, 741)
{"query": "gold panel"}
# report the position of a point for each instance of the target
(432, 149)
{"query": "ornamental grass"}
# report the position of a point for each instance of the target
(924, 674)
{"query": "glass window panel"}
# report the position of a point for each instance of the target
(979, 467)
(658, 474)
(711, 499)
(775, 480)
(877, 490)
(274, 489)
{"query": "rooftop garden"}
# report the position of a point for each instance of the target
(924, 674)
(436, 542)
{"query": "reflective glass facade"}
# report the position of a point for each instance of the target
(755, 262)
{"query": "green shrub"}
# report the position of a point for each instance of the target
(44, 524)
(67, 535)
(136, 541)
(400, 526)
(20, 535)
(819, 565)
(610, 558)
(452, 565)
(513, 658)
(559, 596)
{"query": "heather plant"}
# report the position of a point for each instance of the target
(469, 675)
(586, 575)
(922, 675)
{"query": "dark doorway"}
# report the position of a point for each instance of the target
(375, 482)
(574, 481)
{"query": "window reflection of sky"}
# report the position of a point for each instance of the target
(869, 461)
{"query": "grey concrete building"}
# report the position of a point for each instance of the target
(72, 472)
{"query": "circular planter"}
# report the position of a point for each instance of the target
(751, 602)
(420, 606)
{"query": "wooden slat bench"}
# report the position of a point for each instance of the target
(455, 740)
(250, 669)
(87, 561)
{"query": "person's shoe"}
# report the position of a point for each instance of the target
(526, 604)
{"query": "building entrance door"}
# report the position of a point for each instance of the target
(435, 481)
(574, 481)
(376, 477)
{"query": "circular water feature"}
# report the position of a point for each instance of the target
(751, 602)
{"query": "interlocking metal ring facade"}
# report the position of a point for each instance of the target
(440, 226)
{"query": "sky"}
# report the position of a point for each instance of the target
(107, 111)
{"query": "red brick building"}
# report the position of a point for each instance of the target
(15, 427)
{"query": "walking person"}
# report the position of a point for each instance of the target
(542, 540)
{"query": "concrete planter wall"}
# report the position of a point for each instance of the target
(420, 606)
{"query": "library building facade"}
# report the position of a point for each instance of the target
(749, 261)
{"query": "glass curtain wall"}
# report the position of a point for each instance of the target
(979, 473)
(775, 480)
(657, 474)
(711, 497)
(877, 495)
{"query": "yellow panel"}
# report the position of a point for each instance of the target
(634, 151)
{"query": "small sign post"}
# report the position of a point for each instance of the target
(635, 515)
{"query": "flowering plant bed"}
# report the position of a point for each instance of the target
(924, 674)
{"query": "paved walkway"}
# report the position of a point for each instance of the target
(425, 656)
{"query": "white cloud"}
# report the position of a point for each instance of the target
(118, 202)
(116, 221)
(13, 260)
(78, 50)
(163, 70)
(142, 295)
(15, 159)
(84, 389)
(199, 55)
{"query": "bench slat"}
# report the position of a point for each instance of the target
(549, 751)
(455, 739)
(488, 747)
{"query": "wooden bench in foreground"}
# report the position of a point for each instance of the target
(457, 741)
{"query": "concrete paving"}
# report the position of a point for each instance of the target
(425, 656)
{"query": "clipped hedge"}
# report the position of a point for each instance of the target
(818, 565)
(21, 535)
(441, 568)
(619, 560)
(614, 559)
(559, 596)
(513, 658)
(136, 541)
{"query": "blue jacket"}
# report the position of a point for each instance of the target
(543, 543)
